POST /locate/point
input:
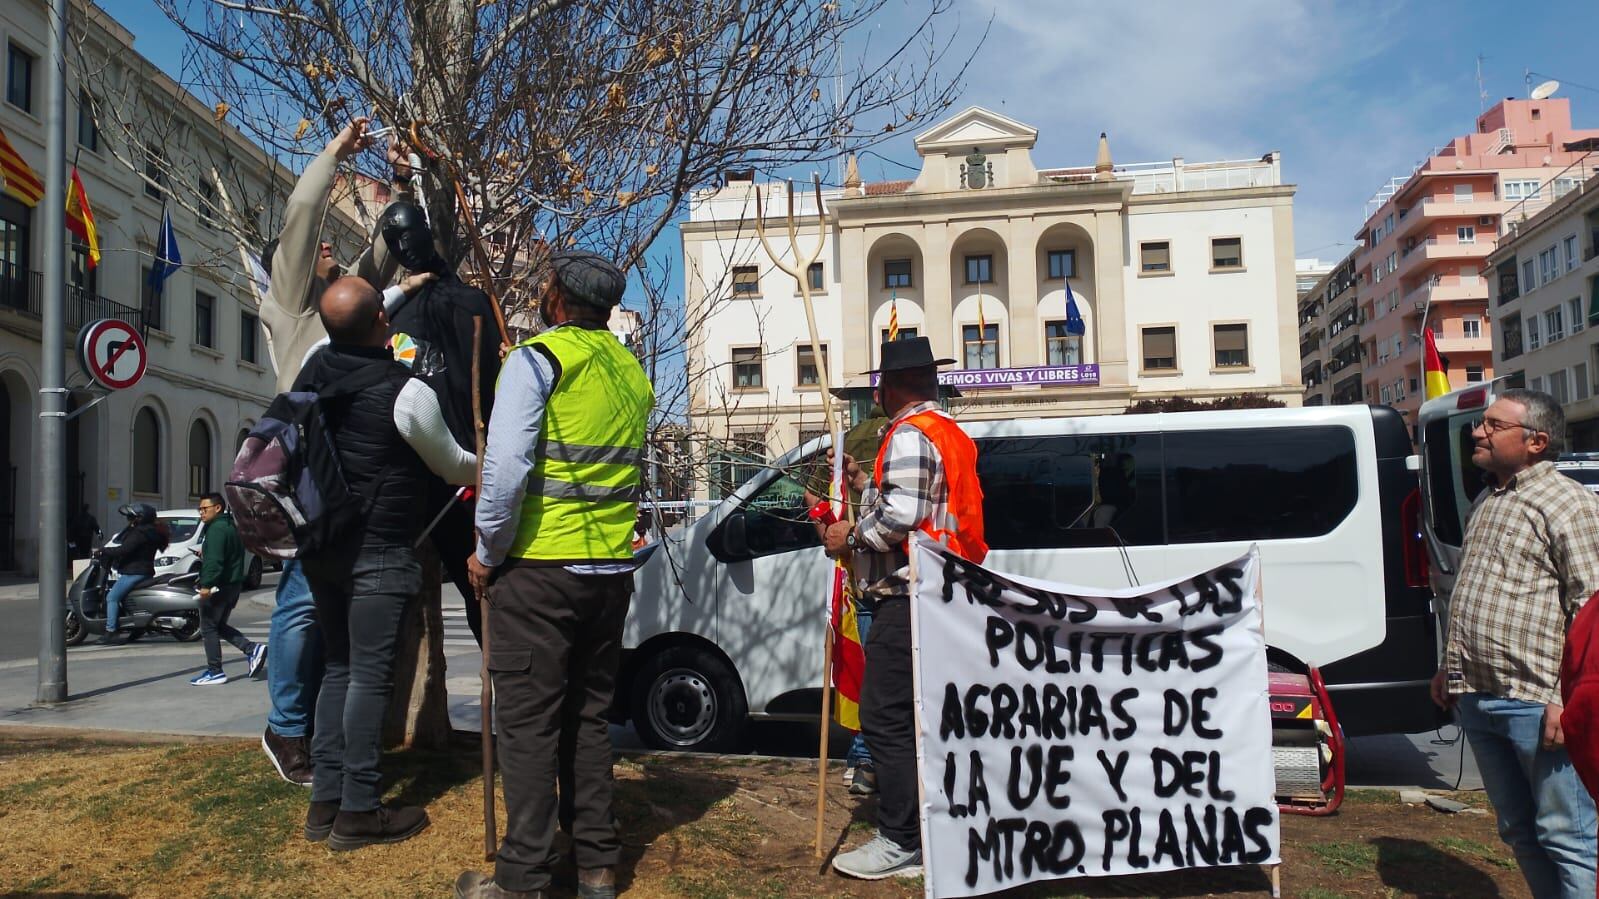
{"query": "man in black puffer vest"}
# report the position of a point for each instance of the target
(388, 438)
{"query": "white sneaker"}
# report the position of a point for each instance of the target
(849, 775)
(878, 859)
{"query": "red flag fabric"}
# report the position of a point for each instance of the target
(80, 218)
(849, 657)
(21, 182)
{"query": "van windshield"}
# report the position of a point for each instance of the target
(1453, 480)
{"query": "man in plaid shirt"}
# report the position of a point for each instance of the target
(1530, 560)
(927, 467)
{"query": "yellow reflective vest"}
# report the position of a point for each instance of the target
(582, 497)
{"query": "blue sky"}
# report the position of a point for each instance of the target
(1352, 93)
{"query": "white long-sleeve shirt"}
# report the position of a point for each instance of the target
(420, 421)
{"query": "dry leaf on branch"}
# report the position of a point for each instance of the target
(302, 128)
(220, 111)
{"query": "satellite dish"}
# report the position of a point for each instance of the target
(1546, 90)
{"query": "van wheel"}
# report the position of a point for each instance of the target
(689, 700)
(252, 575)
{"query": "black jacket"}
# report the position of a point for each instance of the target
(371, 451)
(136, 550)
(439, 319)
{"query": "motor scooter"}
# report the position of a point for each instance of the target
(163, 605)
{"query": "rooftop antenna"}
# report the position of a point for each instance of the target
(1545, 90)
(1482, 91)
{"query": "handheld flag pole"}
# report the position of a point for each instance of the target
(491, 839)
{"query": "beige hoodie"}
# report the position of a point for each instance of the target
(290, 310)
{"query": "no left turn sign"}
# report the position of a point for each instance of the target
(112, 353)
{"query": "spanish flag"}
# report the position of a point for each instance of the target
(849, 657)
(21, 182)
(80, 218)
(1437, 381)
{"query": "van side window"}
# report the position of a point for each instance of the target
(775, 519)
(1258, 483)
(1070, 491)
(1454, 480)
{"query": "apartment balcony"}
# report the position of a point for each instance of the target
(1445, 291)
(22, 292)
(1448, 345)
(1434, 209)
(1423, 252)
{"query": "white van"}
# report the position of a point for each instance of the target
(728, 618)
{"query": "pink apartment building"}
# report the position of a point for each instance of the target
(1423, 250)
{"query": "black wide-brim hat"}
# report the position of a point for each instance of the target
(907, 353)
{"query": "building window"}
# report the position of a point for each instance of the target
(1160, 348)
(1471, 327)
(207, 192)
(1554, 325)
(249, 328)
(1521, 190)
(1572, 260)
(1474, 373)
(149, 300)
(981, 350)
(1061, 348)
(896, 273)
(1579, 374)
(85, 281)
(1062, 264)
(1548, 266)
(904, 334)
(199, 460)
(746, 281)
(814, 275)
(1533, 341)
(805, 374)
(1462, 193)
(19, 77)
(1529, 278)
(1535, 383)
(735, 461)
(1510, 336)
(1155, 256)
(1574, 310)
(205, 308)
(146, 452)
(979, 269)
(1466, 234)
(747, 368)
(1226, 252)
(1559, 387)
(155, 174)
(1232, 345)
(88, 131)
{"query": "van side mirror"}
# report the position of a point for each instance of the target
(1412, 462)
(733, 544)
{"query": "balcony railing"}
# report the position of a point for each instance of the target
(23, 292)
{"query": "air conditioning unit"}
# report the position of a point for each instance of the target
(1485, 221)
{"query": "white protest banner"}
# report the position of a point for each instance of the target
(1070, 732)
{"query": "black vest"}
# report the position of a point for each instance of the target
(439, 319)
(370, 447)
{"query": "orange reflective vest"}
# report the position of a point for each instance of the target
(963, 532)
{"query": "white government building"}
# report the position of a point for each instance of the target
(1183, 274)
(210, 375)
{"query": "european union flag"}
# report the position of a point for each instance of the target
(167, 259)
(1074, 317)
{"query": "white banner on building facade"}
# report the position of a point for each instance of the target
(1067, 732)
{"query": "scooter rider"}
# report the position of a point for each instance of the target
(133, 558)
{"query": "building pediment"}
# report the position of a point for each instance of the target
(975, 127)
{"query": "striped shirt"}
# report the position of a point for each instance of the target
(911, 491)
(1530, 560)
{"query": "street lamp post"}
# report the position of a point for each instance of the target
(52, 377)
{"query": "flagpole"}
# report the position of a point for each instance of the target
(53, 377)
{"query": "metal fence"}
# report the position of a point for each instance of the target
(22, 291)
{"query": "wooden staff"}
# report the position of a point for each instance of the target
(491, 839)
(476, 238)
(799, 270)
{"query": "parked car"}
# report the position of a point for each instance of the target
(185, 535)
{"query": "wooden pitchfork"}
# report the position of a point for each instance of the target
(799, 269)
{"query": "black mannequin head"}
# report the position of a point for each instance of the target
(410, 239)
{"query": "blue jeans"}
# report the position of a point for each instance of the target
(858, 754)
(294, 655)
(1546, 817)
(113, 598)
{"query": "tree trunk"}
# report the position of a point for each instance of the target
(419, 709)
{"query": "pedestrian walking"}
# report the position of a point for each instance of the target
(924, 479)
(1529, 562)
(300, 265)
(387, 434)
(223, 563)
(555, 521)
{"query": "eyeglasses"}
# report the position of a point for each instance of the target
(1492, 426)
(210, 508)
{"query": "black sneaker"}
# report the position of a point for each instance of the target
(319, 820)
(289, 757)
(865, 781)
(352, 830)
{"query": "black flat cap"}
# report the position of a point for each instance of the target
(589, 278)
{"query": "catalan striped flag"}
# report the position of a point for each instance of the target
(893, 318)
(21, 182)
(80, 218)
(1437, 380)
(849, 657)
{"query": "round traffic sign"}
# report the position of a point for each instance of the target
(113, 353)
